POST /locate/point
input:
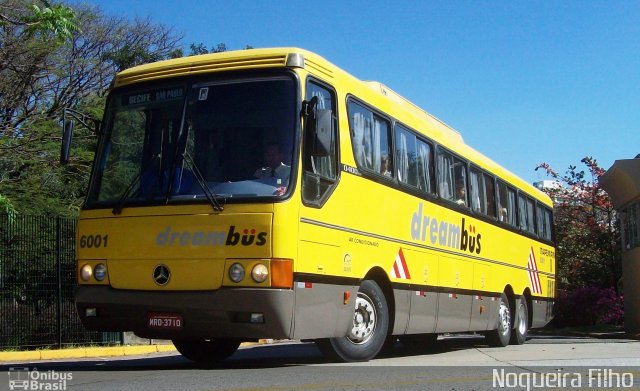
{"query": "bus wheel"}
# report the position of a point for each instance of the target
(501, 335)
(368, 332)
(519, 334)
(207, 351)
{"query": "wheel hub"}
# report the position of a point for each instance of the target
(504, 318)
(364, 320)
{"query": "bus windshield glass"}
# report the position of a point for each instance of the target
(233, 139)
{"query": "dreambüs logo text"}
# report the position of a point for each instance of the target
(445, 233)
(244, 237)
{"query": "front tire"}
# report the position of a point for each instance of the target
(207, 351)
(368, 332)
(501, 335)
(521, 326)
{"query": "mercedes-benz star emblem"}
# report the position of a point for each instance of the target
(161, 275)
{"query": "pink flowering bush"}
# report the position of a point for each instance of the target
(589, 306)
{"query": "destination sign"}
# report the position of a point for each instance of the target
(159, 95)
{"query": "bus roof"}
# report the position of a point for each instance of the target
(409, 113)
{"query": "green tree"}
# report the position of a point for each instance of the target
(40, 77)
(39, 17)
(200, 48)
(5, 206)
(586, 230)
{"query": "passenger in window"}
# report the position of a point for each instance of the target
(504, 214)
(274, 167)
(461, 194)
(385, 165)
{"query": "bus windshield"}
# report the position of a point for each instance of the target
(233, 138)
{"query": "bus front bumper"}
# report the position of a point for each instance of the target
(224, 313)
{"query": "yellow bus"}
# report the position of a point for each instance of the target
(267, 193)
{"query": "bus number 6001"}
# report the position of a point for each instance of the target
(93, 241)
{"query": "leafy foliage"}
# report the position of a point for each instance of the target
(44, 18)
(589, 306)
(55, 19)
(586, 229)
(54, 56)
(40, 77)
(200, 48)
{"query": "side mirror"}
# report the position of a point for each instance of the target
(319, 128)
(323, 133)
(67, 136)
(69, 116)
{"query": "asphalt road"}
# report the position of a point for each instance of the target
(460, 363)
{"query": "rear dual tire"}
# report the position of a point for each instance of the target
(506, 332)
(521, 323)
(502, 334)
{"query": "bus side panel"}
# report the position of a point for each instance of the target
(424, 304)
(424, 309)
(454, 309)
(480, 303)
(542, 308)
(402, 300)
(453, 312)
(322, 311)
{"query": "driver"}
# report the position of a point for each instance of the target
(274, 167)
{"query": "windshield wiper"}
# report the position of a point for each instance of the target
(213, 198)
(117, 209)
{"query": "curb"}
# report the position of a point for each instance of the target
(91, 352)
(111, 351)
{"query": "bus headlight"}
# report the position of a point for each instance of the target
(259, 273)
(236, 272)
(100, 272)
(86, 272)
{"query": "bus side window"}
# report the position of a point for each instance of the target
(477, 196)
(506, 204)
(531, 215)
(452, 178)
(544, 222)
(446, 188)
(413, 160)
(425, 166)
(483, 192)
(522, 213)
(319, 172)
(460, 172)
(502, 202)
(370, 140)
(511, 206)
(490, 192)
(526, 214)
(406, 156)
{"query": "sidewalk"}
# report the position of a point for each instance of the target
(598, 332)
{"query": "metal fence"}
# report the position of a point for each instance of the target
(37, 277)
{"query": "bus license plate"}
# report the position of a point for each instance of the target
(164, 321)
